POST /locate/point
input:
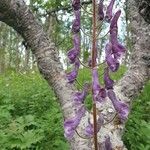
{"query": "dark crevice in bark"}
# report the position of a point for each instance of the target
(144, 9)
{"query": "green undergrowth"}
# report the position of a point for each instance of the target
(31, 119)
(137, 131)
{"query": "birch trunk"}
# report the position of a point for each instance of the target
(17, 15)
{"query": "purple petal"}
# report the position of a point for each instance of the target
(115, 20)
(74, 52)
(108, 145)
(121, 108)
(68, 129)
(79, 97)
(76, 42)
(114, 27)
(76, 4)
(77, 65)
(98, 92)
(89, 130)
(96, 85)
(109, 11)
(101, 95)
(100, 10)
(72, 55)
(118, 50)
(113, 63)
(71, 76)
(107, 80)
(71, 124)
(76, 22)
(108, 49)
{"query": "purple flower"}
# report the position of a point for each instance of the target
(98, 92)
(74, 52)
(76, 22)
(100, 10)
(72, 55)
(89, 130)
(114, 21)
(107, 80)
(113, 63)
(118, 50)
(114, 28)
(79, 97)
(76, 4)
(108, 49)
(69, 128)
(71, 124)
(108, 145)
(109, 11)
(71, 76)
(121, 108)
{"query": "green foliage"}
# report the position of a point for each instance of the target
(31, 118)
(137, 133)
(29, 114)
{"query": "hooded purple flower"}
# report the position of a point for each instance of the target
(76, 22)
(79, 97)
(100, 10)
(71, 76)
(117, 48)
(109, 13)
(114, 21)
(71, 124)
(108, 145)
(74, 52)
(121, 108)
(89, 130)
(114, 27)
(76, 4)
(113, 63)
(107, 80)
(98, 92)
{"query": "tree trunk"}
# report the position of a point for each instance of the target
(17, 15)
(144, 9)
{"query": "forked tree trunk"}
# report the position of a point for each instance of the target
(17, 15)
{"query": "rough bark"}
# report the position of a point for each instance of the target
(144, 9)
(17, 15)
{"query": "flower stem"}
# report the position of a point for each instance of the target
(94, 53)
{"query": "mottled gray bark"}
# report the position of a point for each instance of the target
(17, 15)
(144, 9)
